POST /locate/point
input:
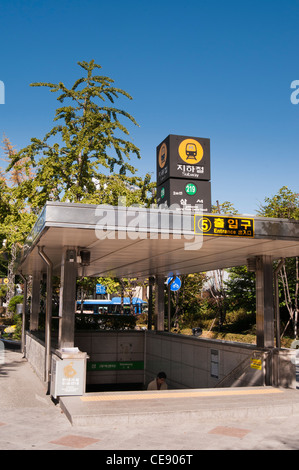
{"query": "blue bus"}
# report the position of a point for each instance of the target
(112, 306)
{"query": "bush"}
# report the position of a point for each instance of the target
(12, 306)
(104, 322)
(142, 318)
(18, 331)
(240, 321)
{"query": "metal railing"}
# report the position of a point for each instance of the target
(235, 375)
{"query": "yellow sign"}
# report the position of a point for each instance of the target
(228, 226)
(256, 363)
(162, 155)
(69, 371)
(190, 151)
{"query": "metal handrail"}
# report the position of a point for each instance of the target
(240, 368)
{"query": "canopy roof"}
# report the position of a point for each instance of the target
(138, 242)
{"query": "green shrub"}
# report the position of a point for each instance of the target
(18, 331)
(105, 322)
(12, 306)
(240, 321)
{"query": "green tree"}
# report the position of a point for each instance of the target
(285, 204)
(225, 207)
(16, 217)
(186, 302)
(240, 290)
(5, 211)
(73, 161)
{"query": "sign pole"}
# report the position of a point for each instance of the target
(169, 304)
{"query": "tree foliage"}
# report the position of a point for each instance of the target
(186, 302)
(240, 290)
(224, 207)
(85, 156)
(16, 217)
(284, 204)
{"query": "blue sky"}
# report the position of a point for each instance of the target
(215, 69)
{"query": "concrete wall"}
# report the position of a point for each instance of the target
(35, 354)
(114, 357)
(189, 362)
(285, 363)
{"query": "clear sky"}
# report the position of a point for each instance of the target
(216, 69)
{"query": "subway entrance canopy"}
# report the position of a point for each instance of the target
(152, 243)
(139, 242)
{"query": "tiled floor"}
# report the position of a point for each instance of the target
(30, 421)
(230, 431)
(76, 442)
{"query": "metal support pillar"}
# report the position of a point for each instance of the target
(264, 302)
(48, 315)
(35, 304)
(159, 303)
(67, 304)
(168, 306)
(24, 311)
(150, 303)
(276, 296)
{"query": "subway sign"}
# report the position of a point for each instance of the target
(186, 194)
(114, 365)
(225, 226)
(183, 157)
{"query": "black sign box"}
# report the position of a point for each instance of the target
(187, 194)
(183, 157)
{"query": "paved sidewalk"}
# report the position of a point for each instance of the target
(29, 420)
